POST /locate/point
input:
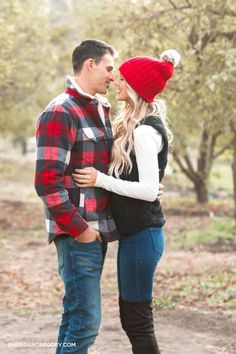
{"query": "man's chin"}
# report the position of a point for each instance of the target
(103, 91)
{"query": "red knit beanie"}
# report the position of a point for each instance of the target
(148, 76)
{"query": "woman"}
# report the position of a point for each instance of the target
(139, 159)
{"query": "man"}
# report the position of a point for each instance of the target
(74, 131)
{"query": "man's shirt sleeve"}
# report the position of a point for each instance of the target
(56, 135)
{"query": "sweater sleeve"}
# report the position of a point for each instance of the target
(147, 144)
(56, 134)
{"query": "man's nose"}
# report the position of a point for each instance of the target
(112, 76)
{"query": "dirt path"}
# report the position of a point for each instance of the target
(178, 331)
(181, 330)
(31, 293)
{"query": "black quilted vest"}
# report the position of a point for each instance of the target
(132, 215)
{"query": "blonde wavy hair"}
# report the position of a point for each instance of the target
(130, 115)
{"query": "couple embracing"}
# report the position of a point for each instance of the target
(100, 182)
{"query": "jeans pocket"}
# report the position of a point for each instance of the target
(86, 243)
(157, 235)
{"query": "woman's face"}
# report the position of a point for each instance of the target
(121, 89)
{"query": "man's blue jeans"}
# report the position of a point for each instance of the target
(80, 267)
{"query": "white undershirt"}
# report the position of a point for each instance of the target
(147, 144)
(102, 101)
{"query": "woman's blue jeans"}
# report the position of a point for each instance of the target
(80, 267)
(138, 256)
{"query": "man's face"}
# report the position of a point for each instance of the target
(102, 74)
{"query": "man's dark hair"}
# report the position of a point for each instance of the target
(90, 48)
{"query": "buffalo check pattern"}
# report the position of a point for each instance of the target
(70, 134)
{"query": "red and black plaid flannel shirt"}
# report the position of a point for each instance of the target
(70, 134)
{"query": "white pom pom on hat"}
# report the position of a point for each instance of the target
(171, 55)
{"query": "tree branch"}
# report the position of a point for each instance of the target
(223, 149)
(188, 3)
(213, 144)
(233, 126)
(226, 13)
(189, 164)
(156, 15)
(183, 168)
(173, 4)
(211, 38)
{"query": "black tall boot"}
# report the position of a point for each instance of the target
(137, 322)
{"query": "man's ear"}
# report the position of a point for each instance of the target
(89, 64)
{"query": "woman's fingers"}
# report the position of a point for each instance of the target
(78, 176)
(84, 184)
(82, 180)
(85, 177)
(84, 171)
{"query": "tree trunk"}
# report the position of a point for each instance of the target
(234, 173)
(199, 176)
(23, 144)
(201, 190)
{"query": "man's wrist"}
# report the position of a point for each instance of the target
(85, 228)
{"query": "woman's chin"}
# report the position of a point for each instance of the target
(119, 98)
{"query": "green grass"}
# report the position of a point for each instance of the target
(221, 290)
(221, 177)
(159, 304)
(205, 289)
(221, 229)
(220, 181)
(177, 201)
